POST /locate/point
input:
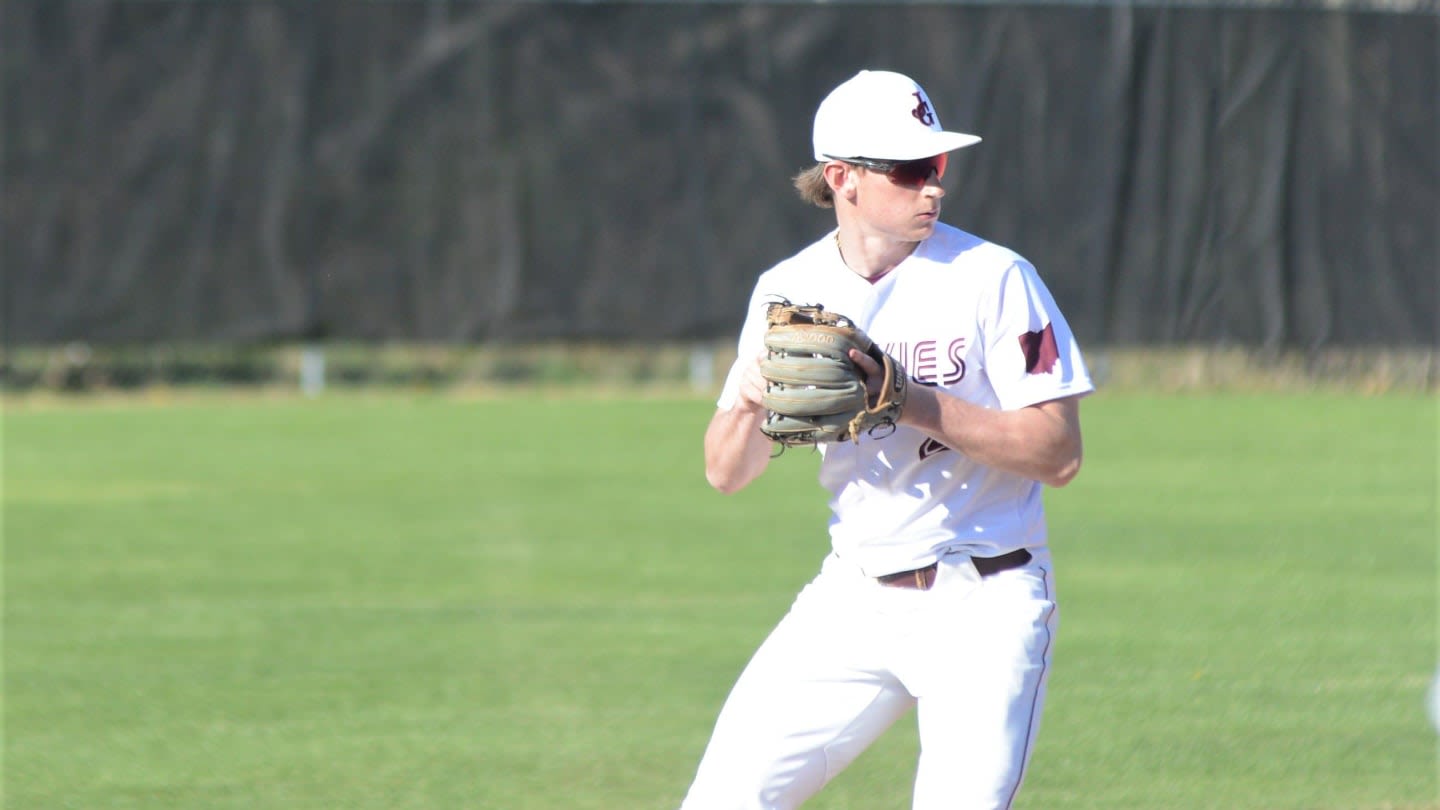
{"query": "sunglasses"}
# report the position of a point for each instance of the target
(904, 172)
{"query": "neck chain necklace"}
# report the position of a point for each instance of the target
(841, 251)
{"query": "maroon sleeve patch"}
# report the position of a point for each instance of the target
(1040, 350)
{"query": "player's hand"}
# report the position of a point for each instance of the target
(752, 386)
(874, 375)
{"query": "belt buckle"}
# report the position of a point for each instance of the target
(919, 579)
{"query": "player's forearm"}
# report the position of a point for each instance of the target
(1041, 442)
(736, 452)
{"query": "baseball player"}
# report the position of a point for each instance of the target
(938, 592)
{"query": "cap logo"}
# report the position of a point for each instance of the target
(922, 111)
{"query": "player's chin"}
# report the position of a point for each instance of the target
(924, 225)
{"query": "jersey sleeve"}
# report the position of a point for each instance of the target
(1030, 354)
(749, 346)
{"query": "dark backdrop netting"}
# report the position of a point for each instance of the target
(460, 172)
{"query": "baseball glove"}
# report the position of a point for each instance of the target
(813, 391)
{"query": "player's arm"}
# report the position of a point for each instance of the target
(1041, 441)
(736, 452)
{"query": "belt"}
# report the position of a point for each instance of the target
(923, 578)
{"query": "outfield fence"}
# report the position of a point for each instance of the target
(1214, 174)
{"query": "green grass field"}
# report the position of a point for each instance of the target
(534, 602)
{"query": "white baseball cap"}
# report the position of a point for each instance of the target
(881, 115)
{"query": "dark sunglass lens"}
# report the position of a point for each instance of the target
(915, 172)
(911, 172)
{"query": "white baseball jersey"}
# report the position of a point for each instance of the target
(961, 314)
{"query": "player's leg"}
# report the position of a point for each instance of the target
(980, 695)
(811, 699)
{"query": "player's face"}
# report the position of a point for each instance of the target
(902, 199)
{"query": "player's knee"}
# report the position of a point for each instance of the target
(775, 785)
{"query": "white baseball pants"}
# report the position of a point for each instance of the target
(971, 655)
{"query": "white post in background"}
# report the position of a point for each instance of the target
(312, 371)
(702, 368)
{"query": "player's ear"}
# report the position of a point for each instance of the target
(841, 177)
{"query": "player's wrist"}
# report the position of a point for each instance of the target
(922, 408)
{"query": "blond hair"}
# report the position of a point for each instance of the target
(813, 187)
